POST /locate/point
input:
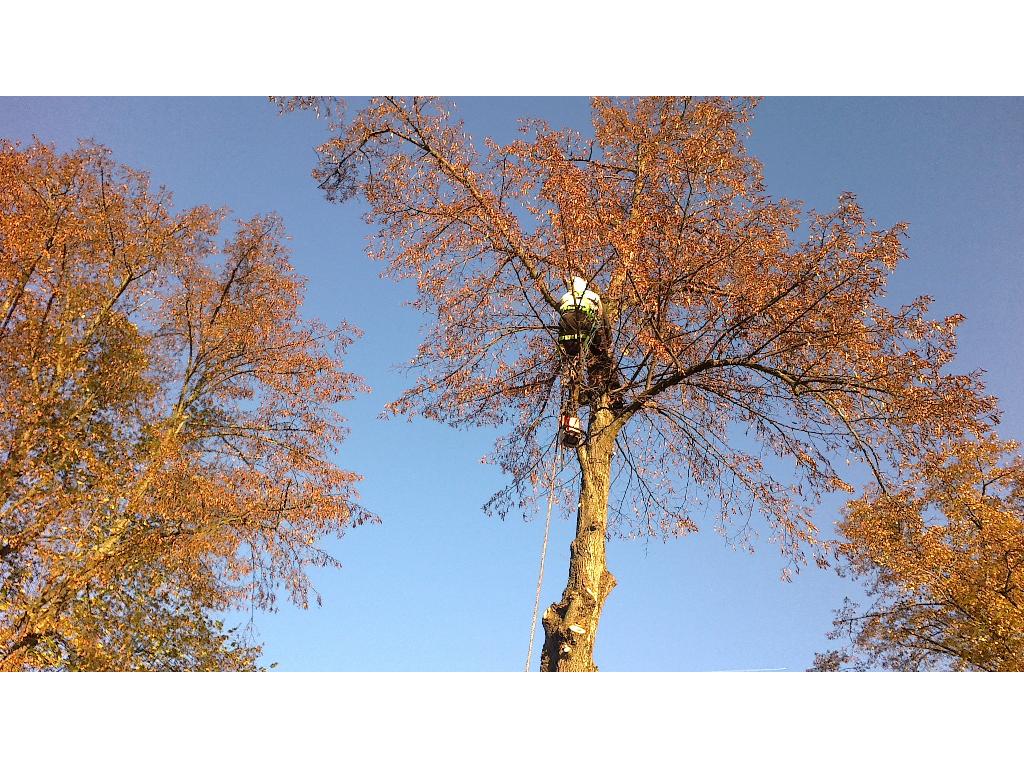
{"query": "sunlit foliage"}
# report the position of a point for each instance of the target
(944, 561)
(749, 343)
(166, 421)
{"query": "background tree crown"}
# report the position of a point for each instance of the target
(166, 421)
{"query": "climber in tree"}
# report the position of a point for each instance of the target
(580, 315)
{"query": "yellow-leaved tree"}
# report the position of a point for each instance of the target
(943, 558)
(166, 420)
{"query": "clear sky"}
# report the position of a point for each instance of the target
(440, 586)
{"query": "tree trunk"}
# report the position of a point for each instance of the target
(570, 626)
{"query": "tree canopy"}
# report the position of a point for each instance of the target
(748, 345)
(168, 416)
(943, 559)
(166, 421)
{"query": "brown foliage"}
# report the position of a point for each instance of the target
(745, 344)
(944, 560)
(166, 419)
(726, 318)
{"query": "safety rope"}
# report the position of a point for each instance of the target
(543, 551)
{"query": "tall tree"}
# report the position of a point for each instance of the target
(734, 327)
(944, 562)
(166, 421)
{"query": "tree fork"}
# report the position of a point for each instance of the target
(570, 626)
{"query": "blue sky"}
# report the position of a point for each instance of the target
(440, 586)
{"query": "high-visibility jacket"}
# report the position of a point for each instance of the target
(580, 299)
(579, 311)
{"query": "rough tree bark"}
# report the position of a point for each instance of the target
(570, 626)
